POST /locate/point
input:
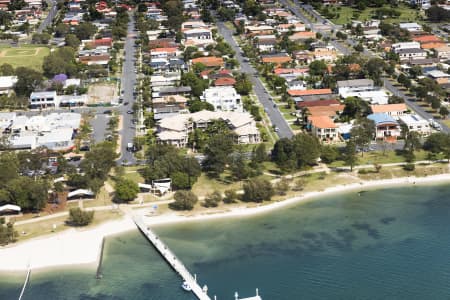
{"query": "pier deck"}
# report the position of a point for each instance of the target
(171, 259)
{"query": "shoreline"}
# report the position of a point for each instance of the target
(82, 247)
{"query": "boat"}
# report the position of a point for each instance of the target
(186, 286)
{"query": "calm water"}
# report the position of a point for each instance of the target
(388, 244)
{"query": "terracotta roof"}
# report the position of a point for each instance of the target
(276, 59)
(309, 92)
(165, 49)
(432, 45)
(427, 39)
(225, 81)
(209, 61)
(322, 122)
(308, 104)
(303, 35)
(329, 110)
(279, 71)
(224, 72)
(388, 108)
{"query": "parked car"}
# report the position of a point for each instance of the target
(130, 112)
(108, 112)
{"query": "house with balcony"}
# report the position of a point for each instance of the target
(223, 98)
(386, 127)
(323, 128)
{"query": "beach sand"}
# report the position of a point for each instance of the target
(82, 246)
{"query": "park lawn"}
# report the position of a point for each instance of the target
(345, 15)
(134, 176)
(24, 56)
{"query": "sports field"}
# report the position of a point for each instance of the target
(28, 56)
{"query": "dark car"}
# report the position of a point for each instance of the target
(126, 103)
(108, 112)
(85, 148)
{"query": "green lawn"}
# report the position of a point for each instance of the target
(24, 56)
(346, 13)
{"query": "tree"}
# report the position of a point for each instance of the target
(395, 99)
(28, 193)
(7, 232)
(259, 153)
(243, 85)
(412, 143)
(85, 30)
(217, 153)
(230, 196)
(328, 154)
(257, 190)
(435, 103)
(282, 186)
(363, 132)
(405, 81)
(318, 68)
(72, 41)
(5, 18)
(61, 61)
(354, 108)
(437, 14)
(180, 180)
(7, 70)
(443, 111)
(438, 143)
(78, 217)
(350, 157)
(61, 30)
(184, 200)
(126, 190)
(213, 200)
(28, 80)
(239, 167)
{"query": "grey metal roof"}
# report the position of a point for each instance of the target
(354, 83)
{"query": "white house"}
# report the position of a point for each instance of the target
(43, 99)
(411, 54)
(411, 27)
(416, 123)
(355, 85)
(223, 98)
(405, 45)
(7, 84)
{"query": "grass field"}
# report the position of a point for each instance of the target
(345, 15)
(24, 56)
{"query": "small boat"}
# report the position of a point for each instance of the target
(186, 286)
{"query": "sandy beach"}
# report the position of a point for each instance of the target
(82, 247)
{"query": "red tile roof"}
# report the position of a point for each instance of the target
(225, 81)
(331, 102)
(321, 122)
(309, 92)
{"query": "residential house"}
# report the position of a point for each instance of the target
(252, 31)
(327, 53)
(285, 28)
(225, 81)
(411, 27)
(429, 41)
(355, 85)
(166, 53)
(277, 58)
(322, 102)
(296, 85)
(443, 53)
(386, 128)
(175, 130)
(415, 123)
(209, 61)
(199, 37)
(44, 100)
(298, 95)
(171, 91)
(290, 74)
(265, 43)
(168, 106)
(405, 45)
(394, 110)
(302, 36)
(323, 128)
(223, 98)
(439, 76)
(411, 54)
(7, 84)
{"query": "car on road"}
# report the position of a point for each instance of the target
(274, 105)
(130, 112)
(126, 103)
(276, 129)
(108, 112)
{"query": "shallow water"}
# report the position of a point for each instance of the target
(386, 244)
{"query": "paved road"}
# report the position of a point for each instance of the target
(127, 86)
(51, 15)
(272, 110)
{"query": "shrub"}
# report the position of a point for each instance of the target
(409, 167)
(230, 196)
(184, 200)
(79, 217)
(213, 200)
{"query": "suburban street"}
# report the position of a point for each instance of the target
(271, 109)
(128, 82)
(51, 15)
